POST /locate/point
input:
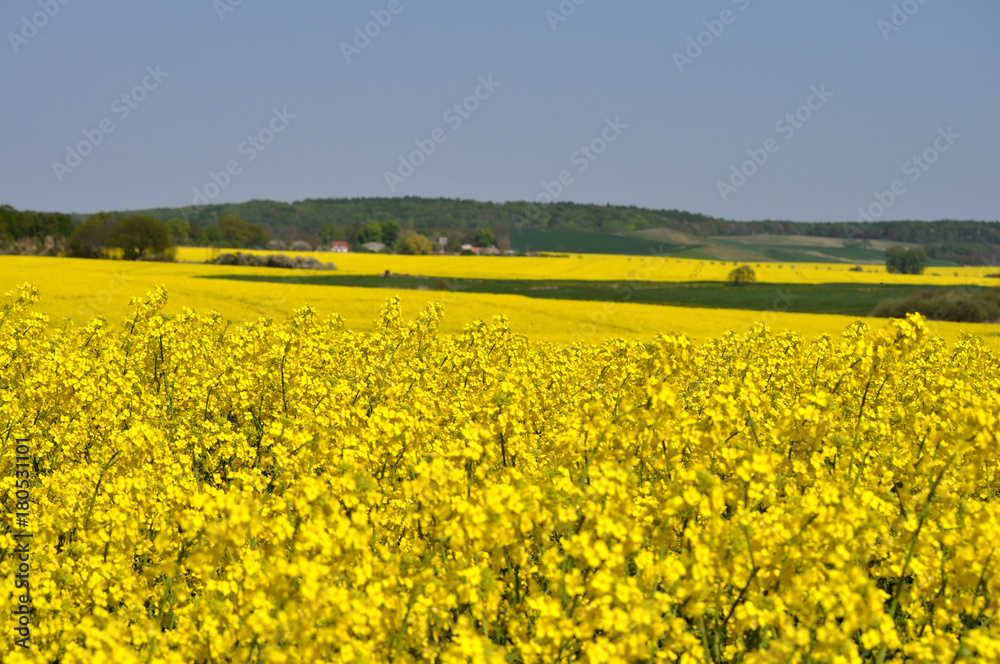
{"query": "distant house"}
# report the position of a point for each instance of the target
(481, 251)
(374, 247)
(339, 246)
(442, 240)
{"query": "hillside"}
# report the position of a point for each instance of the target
(585, 228)
(582, 228)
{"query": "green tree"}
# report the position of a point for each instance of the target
(235, 232)
(140, 236)
(455, 241)
(744, 274)
(484, 238)
(330, 232)
(91, 238)
(180, 230)
(390, 231)
(8, 222)
(370, 232)
(414, 245)
(905, 261)
(27, 224)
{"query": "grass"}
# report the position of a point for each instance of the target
(967, 305)
(836, 298)
(780, 248)
(595, 267)
(808, 253)
(579, 242)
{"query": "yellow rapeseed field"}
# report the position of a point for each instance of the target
(80, 289)
(182, 489)
(614, 268)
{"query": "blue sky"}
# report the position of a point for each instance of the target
(656, 104)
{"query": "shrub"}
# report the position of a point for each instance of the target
(140, 236)
(235, 232)
(744, 274)
(370, 232)
(484, 238)
(90, 239)
(905, 261)
(414, 245)
(959, 305)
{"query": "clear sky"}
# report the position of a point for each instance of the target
(124, 105)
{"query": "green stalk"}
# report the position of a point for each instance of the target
(894, 605)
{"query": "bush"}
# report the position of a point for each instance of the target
(415, 245)
(235, 232)
(90, 239)
(169, 255)
(272, 260)
(744, 274)
(370, 232)
(905, 261)
(484, 238)
(140, 236)
(959, 305)
(390, 231)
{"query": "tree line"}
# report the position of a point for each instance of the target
(317, 222)
(323, 220)
(145, 237)
(134, 237)
(26, 224)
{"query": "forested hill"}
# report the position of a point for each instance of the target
(444, 214)
(965, 242)
(448, 214)
(524, 226)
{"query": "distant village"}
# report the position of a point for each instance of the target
(342, 247)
